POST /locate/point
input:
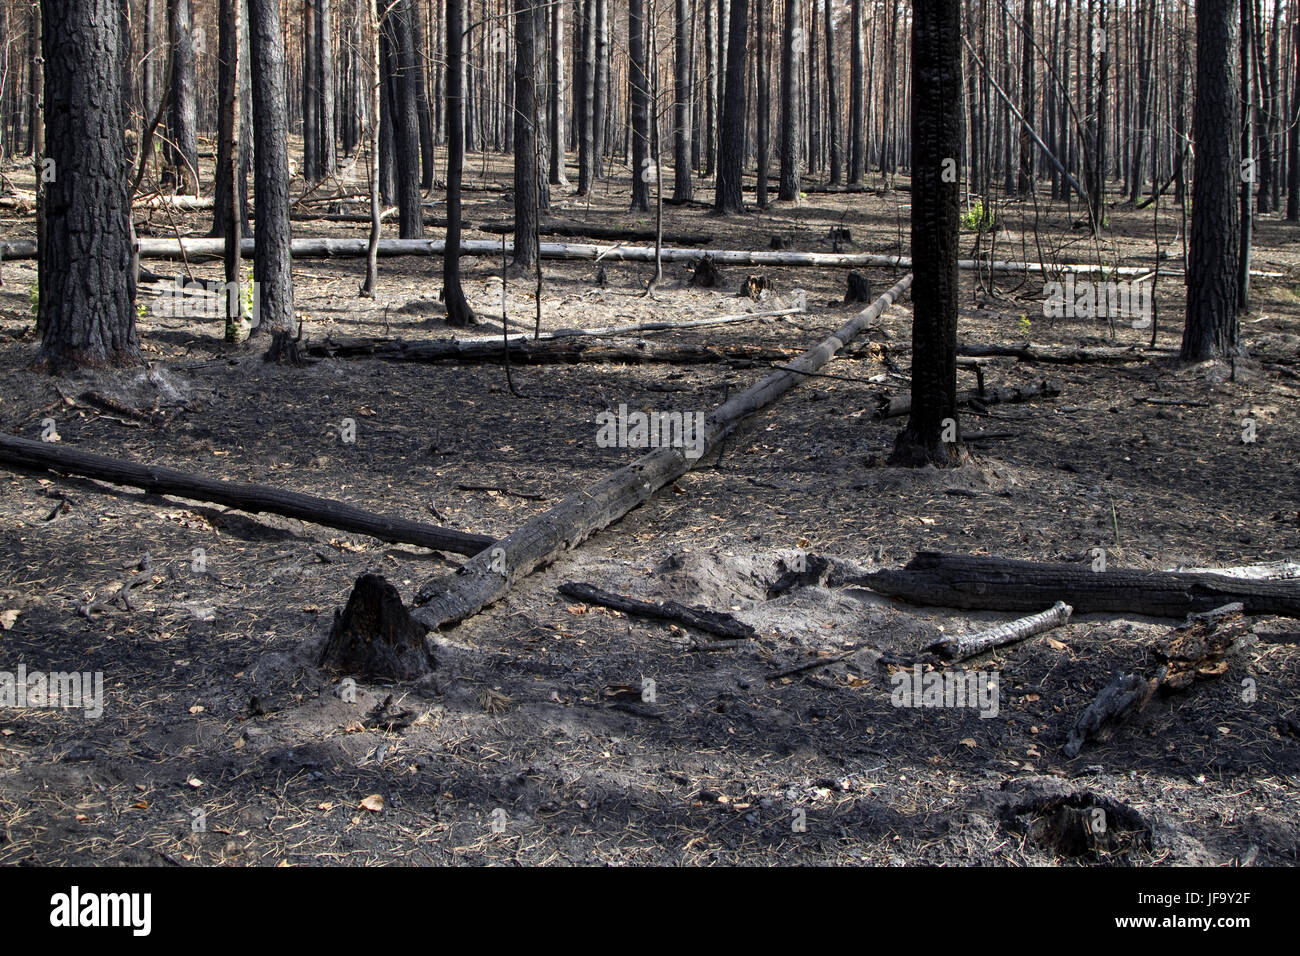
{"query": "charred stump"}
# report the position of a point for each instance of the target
(707, 275)
(859, 289)
(374, 637)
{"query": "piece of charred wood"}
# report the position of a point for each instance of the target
(1123, 697)
(717, 623)
(756, 287)
(1199, 648)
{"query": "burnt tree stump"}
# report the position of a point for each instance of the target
(859, 289)
(374, 637)
(755, 287)
(707, 275)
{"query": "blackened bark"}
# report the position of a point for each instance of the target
(86, 289)
(1026, 179)
(857, 99)
(791, 111)
(683, 184)
(833, 99)
(731, 136)
(325, 83)
(183, 152)
(763, 81)
(397, 34)
(638, 94)
(311, 162)
(525, 159)
(558, 87)
(601, 113)
(586, 75)
(931, 435)
(1210, 326)
(458, 311)
(1293, 168)
(229, 95)
(272, 264)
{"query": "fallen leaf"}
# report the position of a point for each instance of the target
(194, 782)
(969, 742)
(374, 803)
(197, 709)
(8, 617)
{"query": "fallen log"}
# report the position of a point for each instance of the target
(1269, 571)
(342, 248)
(1004, 395)
(958, 648)
(489, 575)
(23, 453)
(526, 351)
(1066, 356)
(578, 230)
(702, 619)
(633, 327)
(988, 583)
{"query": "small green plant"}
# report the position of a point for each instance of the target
(979, 218)
(1024, 325)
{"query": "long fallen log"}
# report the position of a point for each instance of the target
(1066, 356)
(578, 230)
(489, 575)
(1003, 395)
(342, 248)
(988, 583)
(27, 454)
(525, 351)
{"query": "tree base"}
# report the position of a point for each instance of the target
(912, 451)
(374, 637)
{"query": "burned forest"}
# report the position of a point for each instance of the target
(650, 433)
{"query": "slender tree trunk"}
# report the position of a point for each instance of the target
(764, 84)
(525, 159)
(181, 129)
(683, 182)
(640, 100)
(86, 287)
(932, 434)
(600, 114)
(230, 192)
(857, 99)
(1025, 183)
(791, 120)
(401, 81)
(272, 263)
(558, 90)
(1249, 164)
(587, 94)
(375, 83)
(1210, 328)
(1293, 136)
(832, 99)
(311, 120)
(458, 311)
(731, 147)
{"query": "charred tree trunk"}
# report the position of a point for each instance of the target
(272, 263)
(764, 84)
(525, 159)
(1210, 327)
(183, 151)
(458, 311)
(731, 152)
(683, 182)
(791, 121)
(638, 94)
(229, 190)
(932, 434)
(832, 100)
(857, 99)
(558, 89)
(586, 75)
(87, 287)
(397, 34)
